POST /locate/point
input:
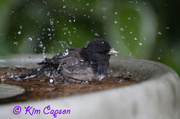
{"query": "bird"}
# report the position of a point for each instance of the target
(81, 64)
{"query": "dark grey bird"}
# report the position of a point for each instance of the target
(84, 64)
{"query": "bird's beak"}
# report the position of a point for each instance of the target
(112, 51)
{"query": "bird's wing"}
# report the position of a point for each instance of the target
(68, 64)
(74, 67)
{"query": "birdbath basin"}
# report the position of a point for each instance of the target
(157, 96)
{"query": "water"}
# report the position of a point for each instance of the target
(39, 88)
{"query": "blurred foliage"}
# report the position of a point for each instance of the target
(140, 29)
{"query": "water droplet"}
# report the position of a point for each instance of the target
(15, 43)
(123, 37)
(91, 10)
(51, 81)
(91, 62)
(103, 9)
(121, 80)
(19, 32)
(65, 53)
(140, 43)
(20, 27)
(116, 13)
(135, 38)
(85, 82)
(40, 45)
(167, 27)
(29, 39)
(48, 29)
(70, 21)
(138, 9)
(159, 33)
(145, 38)
(2, 79)
(104, 17)
(87, 4)
(96, 34)
(51, 23)
(121, 29)
(48, 13)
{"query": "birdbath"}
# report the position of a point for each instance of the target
(156, 97)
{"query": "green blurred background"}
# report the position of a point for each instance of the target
(139, 29)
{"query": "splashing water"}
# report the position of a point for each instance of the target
(159, 33)
(29, 39)
(140, 43)
(135, 39)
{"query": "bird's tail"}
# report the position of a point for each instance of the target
(26, 76)
(29, 75)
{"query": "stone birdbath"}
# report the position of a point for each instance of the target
(157, 96)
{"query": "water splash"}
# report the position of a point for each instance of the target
(19, 32)
(104, 17)
(115, 13)
(145, 38)
(167, 28)
(140, 43)
(15, 43)
(87, 4)
(51, 80)
(40, 44)
(159, 33)
(121, 29)
(29, 39)
(135, 38)
(138, 9)
(91, 10)
(128, 18)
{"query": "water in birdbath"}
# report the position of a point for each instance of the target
(39, 88)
